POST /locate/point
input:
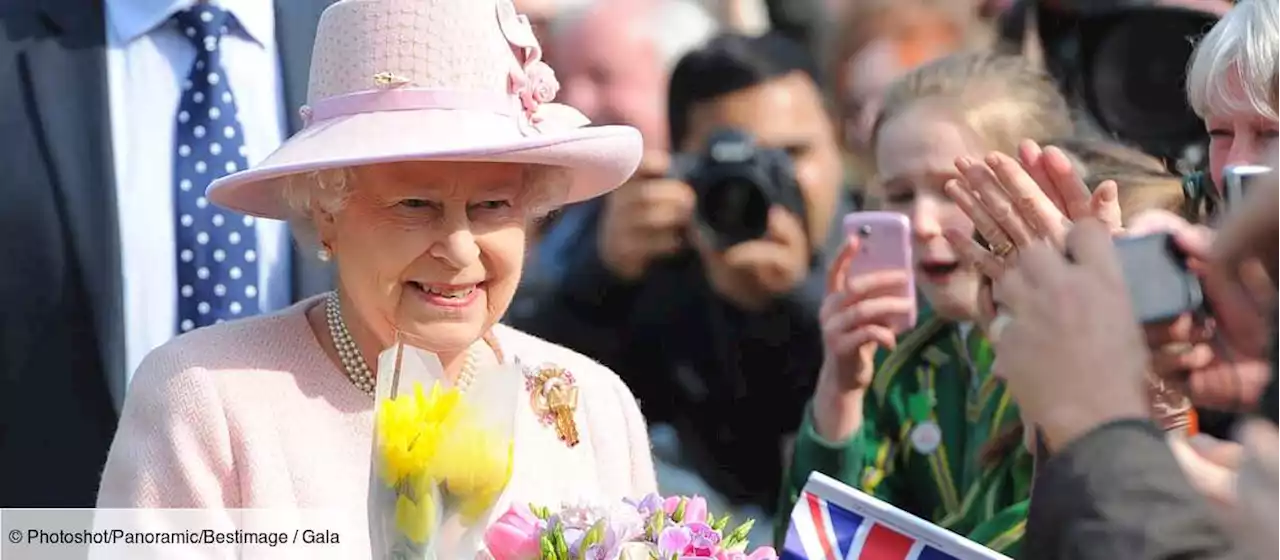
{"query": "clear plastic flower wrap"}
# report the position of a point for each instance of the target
(442, 455)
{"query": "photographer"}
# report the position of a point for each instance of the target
(700, 281)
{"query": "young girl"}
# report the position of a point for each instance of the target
(916, 418)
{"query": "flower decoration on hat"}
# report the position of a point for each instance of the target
(539, 86)
(531, 80)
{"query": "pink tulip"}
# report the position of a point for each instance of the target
(515, 535)
(695, 511)
(669, 505)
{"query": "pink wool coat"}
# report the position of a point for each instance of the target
(253, 414)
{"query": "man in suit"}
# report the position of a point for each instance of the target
(114, 117)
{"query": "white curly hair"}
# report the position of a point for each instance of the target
(545, 190)
(1242, 48)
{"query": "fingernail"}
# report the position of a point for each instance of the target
(963, 163)
(993, 160)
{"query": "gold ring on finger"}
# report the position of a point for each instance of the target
(1002, 249)
(1178, 348)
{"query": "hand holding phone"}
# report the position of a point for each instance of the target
(882, 242)
(871, 300)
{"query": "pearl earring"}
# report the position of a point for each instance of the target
(324, 255)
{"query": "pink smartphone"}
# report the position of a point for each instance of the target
(884, 243)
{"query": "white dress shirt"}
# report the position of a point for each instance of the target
(148, 59)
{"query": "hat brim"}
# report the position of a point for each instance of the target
(598, 158)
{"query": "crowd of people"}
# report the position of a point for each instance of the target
(220, 214)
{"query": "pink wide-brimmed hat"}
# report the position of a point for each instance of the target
(447, 80)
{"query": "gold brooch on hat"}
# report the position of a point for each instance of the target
(389, 80)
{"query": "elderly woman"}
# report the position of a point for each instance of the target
(1231, 84)
(431, 148)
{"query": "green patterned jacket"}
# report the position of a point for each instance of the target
(929, 379)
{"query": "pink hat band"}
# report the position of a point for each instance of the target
(421, 80)
(410, 99)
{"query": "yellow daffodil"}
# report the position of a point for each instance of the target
(410, 428)
(416, 520)
(475, 465)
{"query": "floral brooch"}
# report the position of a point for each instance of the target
(553, 395)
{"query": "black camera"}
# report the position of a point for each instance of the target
(1124, 62)
(736, 183)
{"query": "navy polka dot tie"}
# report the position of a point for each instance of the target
(217, 249)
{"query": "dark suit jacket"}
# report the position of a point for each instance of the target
(62, 366)
(1119, 493)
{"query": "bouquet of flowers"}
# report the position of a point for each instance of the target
(442, 455)
(654, 528)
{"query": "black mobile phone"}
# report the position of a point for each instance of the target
(1160, 286)
(1237, 179)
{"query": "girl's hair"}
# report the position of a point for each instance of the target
(1001, 98)
(1144, 182)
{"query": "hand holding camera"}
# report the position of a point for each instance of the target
(645, 219)
(1212, 344)
(1070, 351)
(754, 273)
(749, 219)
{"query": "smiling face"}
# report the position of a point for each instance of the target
(915, 156)
(433, 250)
(1237, 133)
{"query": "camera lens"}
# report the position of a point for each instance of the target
(1136, 81)
(737, 211)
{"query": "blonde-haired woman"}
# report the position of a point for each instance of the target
(917, 418)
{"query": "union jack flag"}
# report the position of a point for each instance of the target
(832, 521)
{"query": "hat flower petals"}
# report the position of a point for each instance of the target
(540, 86)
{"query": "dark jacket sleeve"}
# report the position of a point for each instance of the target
(1118, 493)
(568, 296)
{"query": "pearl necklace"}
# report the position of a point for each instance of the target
(353, 362)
